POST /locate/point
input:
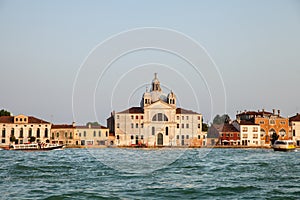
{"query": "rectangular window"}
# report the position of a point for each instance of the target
(294, 132)
(136, 117)
(118, 125)
(282, 122)
(153, 130)
(199, 125)
(177, 137)
(131, 137)
(136, 125)
(245, 136)
(255, 129)
(261, 122)
(118, 117)
(187, 136)
(199, 137)
(255, 136)
(3, 141)
(182, 125)
(94, 133)
(187, 117)
(187, 126)
(131, 125)
(99, 133)
(182, 117)
(142, 125)
(245, 129)
(177, 117)
(142, 117)
(142, 137)
(177, 125)
(199, 118)
(132, 117)
(272, 121)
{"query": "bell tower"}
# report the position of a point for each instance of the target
(155, 84)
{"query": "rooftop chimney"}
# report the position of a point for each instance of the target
(273, 111)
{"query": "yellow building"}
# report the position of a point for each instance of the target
(64, 134)
(93, 136)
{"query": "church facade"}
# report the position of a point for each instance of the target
(156, 122)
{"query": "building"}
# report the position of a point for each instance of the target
(156, 122)
(269, 123)
(22, 129)
(64, 134)
(294, 123)
(249, 133)
(93, 135)
(227, 134)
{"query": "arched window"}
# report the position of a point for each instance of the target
(159, 117)
(30, 132)
(3, 132)
(21, 133)
(38, 133)
(271, 131)
(282, 132)
(46, 133)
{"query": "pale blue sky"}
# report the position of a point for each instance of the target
(255, 45)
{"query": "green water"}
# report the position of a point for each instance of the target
(150, 174)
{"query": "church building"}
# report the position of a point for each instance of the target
(156, 122)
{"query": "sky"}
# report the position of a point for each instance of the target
(55, 56)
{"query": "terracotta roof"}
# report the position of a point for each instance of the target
(133, 110)
(61, 126)
(225, 128)
(36, 120)
(92, 127)
(295, 118)
(244, 122)
(31, 120)
(6, 119)
(184, 111)
(254, 113)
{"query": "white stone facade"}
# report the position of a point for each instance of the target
(157, 122)
(249, 133)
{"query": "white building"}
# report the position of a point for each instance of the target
(157, 122)
(23, 129)
(294, 123)
(249, 133)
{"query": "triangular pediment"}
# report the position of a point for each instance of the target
(160, 105)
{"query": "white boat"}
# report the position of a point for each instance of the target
(284, 145)
(36, 147)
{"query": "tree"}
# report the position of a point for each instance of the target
(274, 138)
(4, 113)
(224, 119)
(32, 139)
(204, 126)
(92, 124)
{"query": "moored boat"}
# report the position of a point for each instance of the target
(35, 147)
(284, 145)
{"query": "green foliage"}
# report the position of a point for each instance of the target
(32, 139)
(204, 127)
(224, 119)
(4, 113)
(93, 124)
(12, 138)
(274, 137)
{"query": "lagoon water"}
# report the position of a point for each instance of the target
(150, 174)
